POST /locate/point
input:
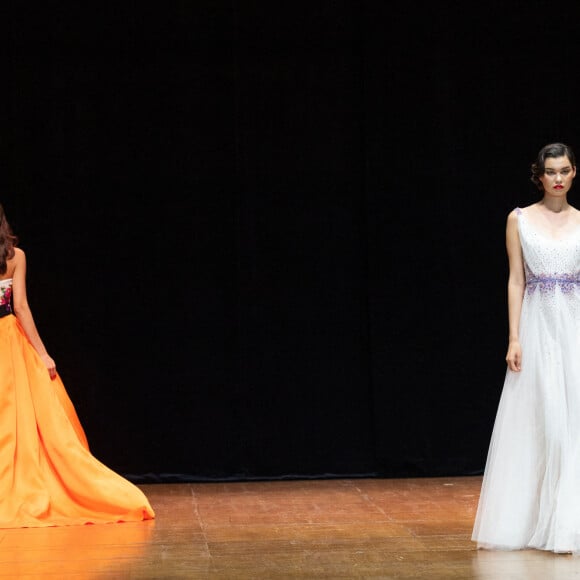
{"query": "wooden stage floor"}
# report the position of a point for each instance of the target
(342, 528)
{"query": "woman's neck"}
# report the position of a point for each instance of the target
(555, 205)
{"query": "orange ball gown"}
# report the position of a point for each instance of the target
(48, 476)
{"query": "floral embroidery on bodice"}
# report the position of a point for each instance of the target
(5, 297)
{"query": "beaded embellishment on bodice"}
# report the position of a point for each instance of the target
(549, 263)
(5, 297)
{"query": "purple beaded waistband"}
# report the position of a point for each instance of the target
(566, 282)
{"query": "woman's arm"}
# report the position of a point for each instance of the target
(23, 313)
(516, 288)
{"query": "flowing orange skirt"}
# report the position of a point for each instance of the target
(48, 477)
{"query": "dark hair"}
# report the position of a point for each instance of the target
(551, 150)
(8, 241)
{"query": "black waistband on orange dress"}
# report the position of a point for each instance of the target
(5, 310)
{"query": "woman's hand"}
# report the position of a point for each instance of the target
(514, 356)
(50, 365)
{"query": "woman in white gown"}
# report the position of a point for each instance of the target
(530, 496)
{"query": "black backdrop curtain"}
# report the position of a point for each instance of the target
(267, 240)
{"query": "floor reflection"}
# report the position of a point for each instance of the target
(87, 551)
(528, 564)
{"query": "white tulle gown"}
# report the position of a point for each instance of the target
(530, 497)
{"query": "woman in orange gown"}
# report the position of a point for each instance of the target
(48, 477)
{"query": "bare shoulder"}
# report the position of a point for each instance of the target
(533, 207)
(527, 209)
(512, 218)
(16, 264)
(512, 225)
(18, 261)
(576, 214)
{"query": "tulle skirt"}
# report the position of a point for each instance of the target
(48, 477)
(530, 497)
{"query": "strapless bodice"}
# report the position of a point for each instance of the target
(5, 297)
